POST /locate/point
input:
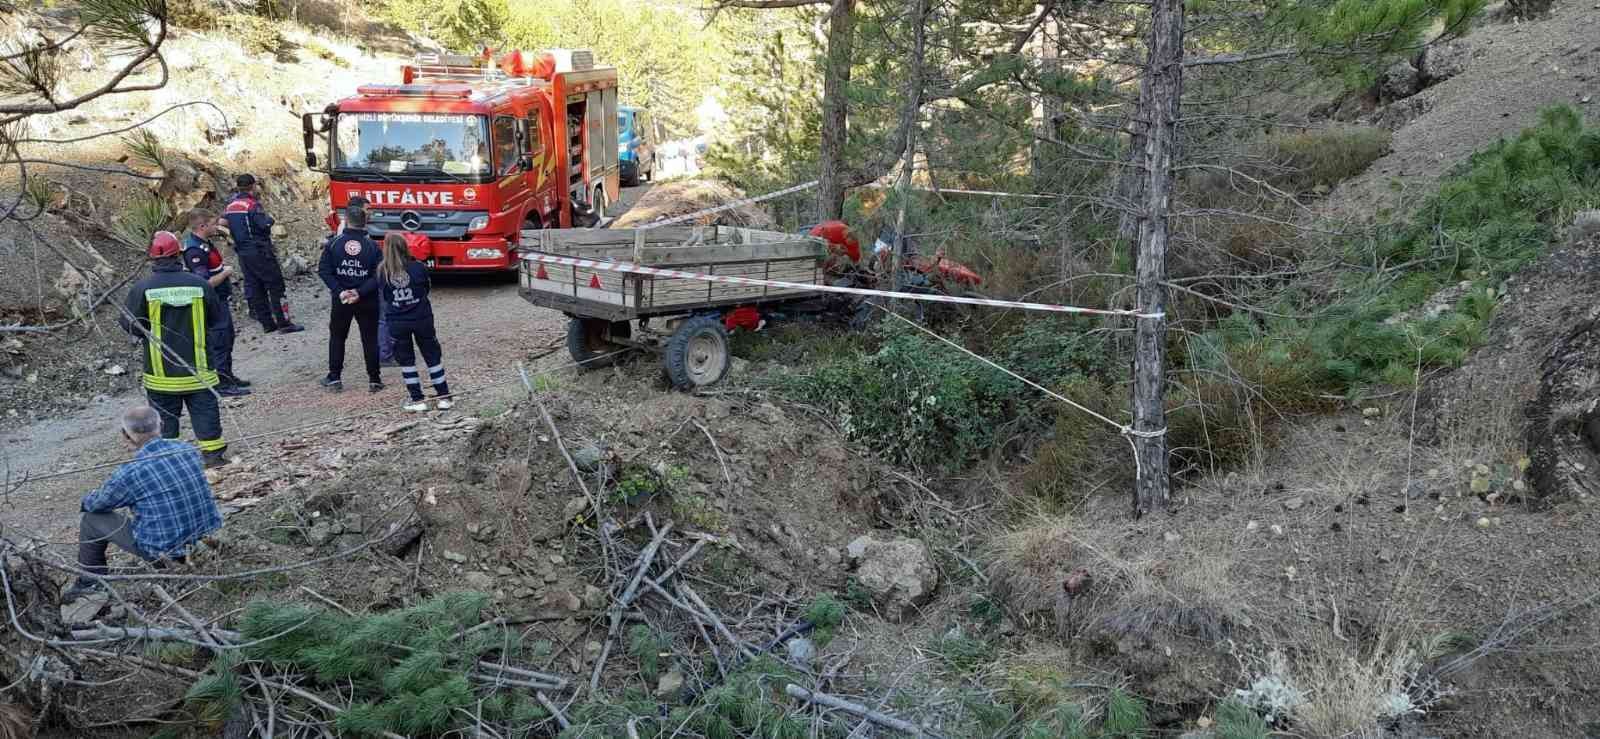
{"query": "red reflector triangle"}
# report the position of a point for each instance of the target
(594, 282)
(541, 274)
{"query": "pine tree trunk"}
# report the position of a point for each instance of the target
(835, 110)
(1164, 75)
(1131, 180)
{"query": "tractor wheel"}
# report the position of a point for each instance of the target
(697, 353)
(589, 341)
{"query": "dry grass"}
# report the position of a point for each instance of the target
(1143, 595)
(16, 721)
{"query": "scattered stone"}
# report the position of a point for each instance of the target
(504, 571)
(480, 581)
(563, 599)
(1295, 503)
(1440, 62)
(1276, 530)
(1483, 522)
(297, 265)
(455, 557)
(1252, 525)
(669, 684)
(594, 598)
(1172, 537)
(898, 573)
(116, 369)
(551, 577)
(557, 560)
(321, 533)
(1371, 412)
(522, 593)
(801, 651)
(1385, 556)
(1202, 723)
(574, 508)
(588, 457)
(85, 608)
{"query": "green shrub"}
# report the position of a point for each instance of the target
(404, 671)
(919, 402)
(1236, 721)
(648, 647)
(257, 35)
(825, 614)
(1492, 215)
(1126, 717)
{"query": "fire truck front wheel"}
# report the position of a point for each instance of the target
(697, 353)
(589, 341)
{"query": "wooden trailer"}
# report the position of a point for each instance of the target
(679, 318)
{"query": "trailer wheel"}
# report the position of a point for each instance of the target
(697, 353)
(589, 341)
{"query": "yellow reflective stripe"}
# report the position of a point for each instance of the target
(211, 445)
(197, 314)
(153, 342)
(175, 296)
(181, 384)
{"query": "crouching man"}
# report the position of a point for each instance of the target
(165, 491)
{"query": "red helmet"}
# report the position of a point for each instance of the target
(164, 245)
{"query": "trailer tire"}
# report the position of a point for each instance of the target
(589, 341)
(697, 353)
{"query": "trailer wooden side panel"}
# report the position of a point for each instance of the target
(710, 250)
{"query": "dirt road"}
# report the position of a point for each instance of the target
(486, 329)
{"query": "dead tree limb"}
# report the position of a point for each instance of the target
(837, 703)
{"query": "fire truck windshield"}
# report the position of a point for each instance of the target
(411, 146)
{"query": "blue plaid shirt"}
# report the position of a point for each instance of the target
(166, 488)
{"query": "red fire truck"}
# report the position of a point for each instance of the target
(469, 151)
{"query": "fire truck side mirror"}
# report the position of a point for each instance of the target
(526, 163)
(309, 133)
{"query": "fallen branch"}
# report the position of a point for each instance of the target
(837, 703)
(646, 556)
(555, 711)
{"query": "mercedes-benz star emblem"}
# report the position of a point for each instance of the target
(410, 220)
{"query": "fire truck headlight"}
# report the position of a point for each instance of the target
(478, 224)
(484, 253)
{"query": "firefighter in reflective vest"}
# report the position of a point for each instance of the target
(173, 310)
(251, 230)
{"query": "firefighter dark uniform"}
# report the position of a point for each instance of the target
(174, 312)
(205, 261)
(411, 320)
(251, 229)
(350, 262)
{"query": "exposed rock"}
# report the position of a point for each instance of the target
(480, 581)
(594, 597)
(898, 573)
(1294, 504)
(670, 683)
(588, 457)
(455, 557)
(574, 508)
(321, 533)
(1440, 62)
(563, 599)
(801, 651)
(1399, 81)
(1395, 116)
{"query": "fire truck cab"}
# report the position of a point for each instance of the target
(469, 151)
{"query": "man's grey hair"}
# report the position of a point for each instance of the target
(141, 421)
(355, 217)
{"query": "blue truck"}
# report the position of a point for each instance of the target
(636, 147)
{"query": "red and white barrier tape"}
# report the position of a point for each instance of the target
(728, 206)
(630, 268)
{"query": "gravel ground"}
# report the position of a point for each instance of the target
(485, 328)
